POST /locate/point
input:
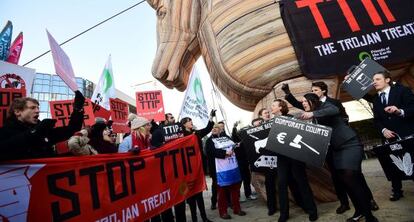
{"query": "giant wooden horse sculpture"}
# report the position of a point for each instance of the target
(247, 51)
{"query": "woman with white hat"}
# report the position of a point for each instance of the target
(139, 138)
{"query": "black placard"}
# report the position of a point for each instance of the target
(255, 140)
(330, 36)
(397, 158)
(172, 132)
(299, 140)
(359, 81)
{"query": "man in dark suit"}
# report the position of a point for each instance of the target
(393, 109)
(321, 90)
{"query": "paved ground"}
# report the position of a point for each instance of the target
(402, 210)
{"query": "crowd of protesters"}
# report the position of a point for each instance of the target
(224, 157)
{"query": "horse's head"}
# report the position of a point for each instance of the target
(178, 47)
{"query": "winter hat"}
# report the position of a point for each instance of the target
(131, 117)
(138, 122)
(97, 129)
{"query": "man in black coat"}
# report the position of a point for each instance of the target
(321, 90)
(24, 136)
(393, 109)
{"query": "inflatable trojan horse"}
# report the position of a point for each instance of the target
(252, 47)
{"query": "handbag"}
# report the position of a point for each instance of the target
(397, 158)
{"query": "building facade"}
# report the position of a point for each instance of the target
(48, 87)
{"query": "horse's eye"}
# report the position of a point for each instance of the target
(161, 12)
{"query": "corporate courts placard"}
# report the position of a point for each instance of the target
(299, 140)
(330, 36)
(254, 141)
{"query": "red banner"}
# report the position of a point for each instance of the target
(7, 95)
(62, 109)
(99, 111)
(16, 49)
(150, 105)
(119, 114)
(106, 187)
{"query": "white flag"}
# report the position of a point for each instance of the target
(194, 104)
(105, 88)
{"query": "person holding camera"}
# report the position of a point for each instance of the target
(24, 136)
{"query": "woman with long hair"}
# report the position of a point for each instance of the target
(292, 172)
(347, 152)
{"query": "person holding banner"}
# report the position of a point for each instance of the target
(347, 153)
(321, 90)
(289, 169)
(225, 171)
(139, 138)
(24, 136)
(270, 176)
(393, 109)
(197, 199)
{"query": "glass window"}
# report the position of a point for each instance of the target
(38, 81)
(46, 82)
(37, 88)
(64, 97)
(44, 106)
(45, 88)
(47, 96)
(63, 90)
(55, 89)
(55, 77)
(41, 97)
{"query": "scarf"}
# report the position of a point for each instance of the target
(140, 141)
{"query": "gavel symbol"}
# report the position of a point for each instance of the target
(297, 140)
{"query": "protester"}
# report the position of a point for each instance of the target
(156, 141)
(347, 152)
(197, 199)
(270, 176)
(321, 90)
(131, 117)
(24, 136)
(226, 174)
(393, 109)
(78, 144)
(243, 162)
(288, 169)
(100, 139)
(139, 139)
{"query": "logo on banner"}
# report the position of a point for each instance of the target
(266, 161)
(15, 189)
(405, 164)
(150, 105)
